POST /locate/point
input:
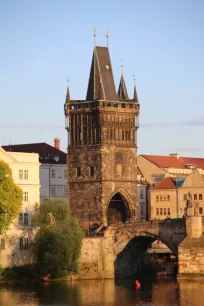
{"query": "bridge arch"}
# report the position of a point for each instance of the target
(119, 208)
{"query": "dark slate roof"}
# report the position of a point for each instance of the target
(122, 90)
(48, 154)
(101, 82)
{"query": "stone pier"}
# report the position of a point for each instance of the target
(191, 249)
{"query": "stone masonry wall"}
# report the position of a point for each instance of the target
(97, 259)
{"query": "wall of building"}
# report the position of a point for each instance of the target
(25, 171)
(152, 173)
(53, 180)
(163, 203)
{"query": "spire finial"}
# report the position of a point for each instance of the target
(134, 80)
(121, 67)
(94, 37)
(68, 93)
(107, 36)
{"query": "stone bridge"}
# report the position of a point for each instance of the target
(121, 252)
(170, 231)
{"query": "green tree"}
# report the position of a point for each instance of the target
(58, 241)
(11, 197)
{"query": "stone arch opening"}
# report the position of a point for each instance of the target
(135, 260)
(118, 209)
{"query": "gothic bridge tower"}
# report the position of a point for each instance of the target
(102, 148)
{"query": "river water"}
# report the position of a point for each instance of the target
(162, 292)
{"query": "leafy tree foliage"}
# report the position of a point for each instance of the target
(58, 241)
(11, 197)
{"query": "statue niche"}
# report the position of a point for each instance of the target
(119, 164)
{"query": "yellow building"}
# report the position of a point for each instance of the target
(15, 244)
(170, 197)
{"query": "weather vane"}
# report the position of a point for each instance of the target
(94, 36)
(134, 79)
(107, 36)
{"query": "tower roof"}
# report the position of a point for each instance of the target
(122, 90)
(101, 82)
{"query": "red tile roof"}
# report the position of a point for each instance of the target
(48, 154)
(167, 183)
(174, 162)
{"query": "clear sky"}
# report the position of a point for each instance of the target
(161, 42)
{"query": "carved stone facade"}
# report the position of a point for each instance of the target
(102, 179)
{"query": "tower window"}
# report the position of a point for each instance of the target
(78, 171)
(91, 171)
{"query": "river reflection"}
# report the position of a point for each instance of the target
(105, 293)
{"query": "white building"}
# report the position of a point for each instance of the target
(53, 168)
(16, 241)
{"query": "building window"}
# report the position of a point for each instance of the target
(185, 197)
(20, 220)
(23, 219)
(59, 173)
(78, 171)
(65, 173)
(23, 243)
(20, 174)
(3, 243)
(157, 211)
(25, 196)
(59, 191)
(157, 198)
(200, 196)
(165, 211)
(160, 197)
(168, 198)
(53, 174)
(164, 198)
(25, 174)
(195, 196)
(53, 191)
(161, 211)
(200, 210)
(169, 212)
(91, 171)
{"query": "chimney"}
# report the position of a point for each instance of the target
(174, 155)
(57, 143)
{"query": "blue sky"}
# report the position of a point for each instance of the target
(161, 42)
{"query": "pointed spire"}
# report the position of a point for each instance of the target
(135, 97)
(122, 90)
(101, 82)
(68, 93)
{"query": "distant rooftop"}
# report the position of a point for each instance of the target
(48, 154)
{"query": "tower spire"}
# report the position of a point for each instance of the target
(135, 97)
(68, 93)
(122, 90)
